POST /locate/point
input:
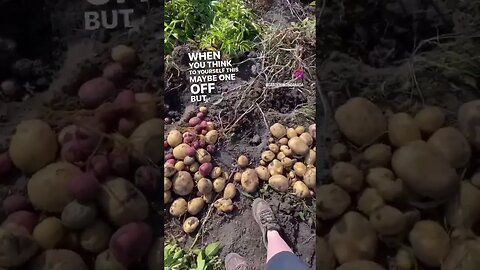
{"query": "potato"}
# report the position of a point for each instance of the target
(16, 248)
(146, 139)
(430, 119)
(194, 168)
(167, 196)
(124, 55)
(219, 184)
(339, 152)
(242, 161)
(452, 145)
(347, 176)
(216, 172)
(383, 180)
(361, 265)
(288, 162)
(49, 232)
(205, 169)
(95, 238)
(388, 220)
(312, 129)
(360, 121)
(283, 141)
(307, 138)
(249, 180)
(179, 207)
(237, 177)
(32, 146)
(99, 165)
(275, 167)
(14, 203)
(174, 138)
(21, 219)
(430, 242)
(120, 163)
(114, 72)
(404, 260)
(332, 201)
(268, 156)
(190, 224)
(224, 205)
(298, 146)
(131, 242)
(402, 129)
(463, 211)
(424, 172)
(311, 158)
(106, 261)
(211, 137)
(324, 255)
(95, 91)
(230, 191)
(145, 107)
(353, 238)
(469, 122)
(53, 259)
(291, 133)
(463, 256)
(182, 183)
(278, 130)
(147, 179)
(310, 177)
(84, 187)
(299, 129)
(300, 169)
(301, 190)
(203, 156)
(369, 201)
(378, 155)
(56, 177)
(204, 186)
(274, 148)
(195, 206)
(122, 202)
(208, 198)
(262, 173)
(169, 169)
(78, 216)
(279, 183)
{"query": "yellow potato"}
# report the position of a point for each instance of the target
(49, 232)
(469, 122)
(298, 146)
(174, 138)
(291, 133)
(224, 205)
(167, 196)
(347, 176)
(262, 173)
(242, 161)
(307, 138)
(310, 177)
(279, 183)
(190, 224)
(369, 201)
(378, 155)
(124, 54)
(249, 180)
(300, 130)
(205, 186)
(430, 119)
(332, 201)
(301, 190)
(274, 148)
(195, 206)
(179, 207)
(402, 129)
(430, 242)
(211, 137)
(388, 220)
(219, 184)
(452, 145)
(230, 191)
(300, 169)
(180, 151)
(278, 130)
(268, 156)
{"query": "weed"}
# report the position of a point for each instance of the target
(177, 258)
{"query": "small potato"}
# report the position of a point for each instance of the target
(182, 183)
(291, 133)
(216, 172)
(219, 184)
(224, 205)
(311, 157)
(300, 130)
(190, 225)
(378, 155)
(167, 196)
(49, 232)
(279, 183)
(283, 141)
(249, 180)
(14, 203)
(131, 242)
(230, 191)
(369, 201)
(307, 138)
(204, 186)
(298, 146)
(278, 130)
(203, 156)
(95, 91)
(17, 247)
(268, 156)
(106, 261)
(58, 259)
(262, 173)
(430, 242)
(388, 220)
(312, 129)
(174, 138)
(180, 166)
(402, 129)
(360, 120)
(124, 55)
(167, 184)
(288, 162)
(194, 168)
(275, 167)
(274, 148)
(339, 152)
(452, 145)
(179, 207)
(189, 161)
(300, 169)
(430, 119)
(242, 161)
(404, 260)
(281, 155)
(383, 180)
(211, 137)
(310, 177)
(78, 216)
(195, 206)
(347, 176)
(301, 190)
(95, 238)
(237, 177)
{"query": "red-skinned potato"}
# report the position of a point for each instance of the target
(84, 187)
(6, 164)
(131, 242)
(106, 261)
(78, 216)
(49, 232)
(120, 163)
(125, 100)
(16, 247)
(126, 126)
(58, 259)
(100, 166)
(95, 91)
(95, 238)
(15, 202)
(147, 179)
(33, 145)
(24, 219)
(55, 176)
(147, 139)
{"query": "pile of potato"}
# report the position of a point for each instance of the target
(87, 193)
(191, 180)
(406, 183)
(288, 163)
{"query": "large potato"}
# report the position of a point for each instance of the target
(353, 238)
(16, 247)
(430, 242)
(279, 183)
(463, 256)
(182, 183)
(33, 145)
(469, 122)
(361, 265)
(378, 155)
(249, 180)
(429, 119)
(424, 172)
(54, 259)
(146, 139)
(332, 201)
(53, 177)
(360, 120)
(49, 232)
(122, 201)
(463, 211)
(298, 146)
(347, 176)
(95, 237)
(402, 129)
(452, 145)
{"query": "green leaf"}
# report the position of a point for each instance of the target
(212, 249)
(200, 262)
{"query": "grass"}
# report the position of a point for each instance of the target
(178, 258)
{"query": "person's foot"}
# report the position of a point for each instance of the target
(233, 261)
(264, 216)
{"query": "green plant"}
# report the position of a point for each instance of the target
(177, 258)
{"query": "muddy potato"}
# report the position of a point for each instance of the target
(298, 146)
(49, 232)
(388, 220)
(307, 138)
(219, 184)
(167, 196)
(268, 156)
(249, 180)
(278, 130)
(369, 201)
(224, 205)
(279, 183)
(275, 167)
(262, 173)
(301, 190)
(174, 138)
(211, 137)
(361, 265)
(179, 207)
(463, 211)
(463, 256)
(332, 201)
(78, 216)
(169, 169)
(430, 242)
(147, 138)
(195, 206)
(452, 145)
(469, 122)
(190, 225)
(402, 129)
(347, 176)
(424, 172)
(300, 169)
(95, 238)
(203, 156)
(383, 180)
(430, 119)
(291, 133)
(325, 258)
(54, 176)
(33, 145)
(353, 238)
(310, 177)
(242, 161)
(106, 261)
(194, 168)
(378, 155)
(274, 148)
(339, 152)
(182, 183)
(16, 247)
(360, 120)
(122, 202)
